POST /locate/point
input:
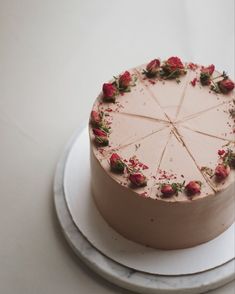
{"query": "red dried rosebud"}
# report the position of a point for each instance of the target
(138, 179)
(205, 76)
(101, 137)
(99, 133)
(193, 187)
(96, 118)
(209, 69)
(124, 80)
(174, 63)
(152, 67)
(167, 190)
(116, 163)
(226, 85)
(109, 92)
(221, 152)
(222, 171)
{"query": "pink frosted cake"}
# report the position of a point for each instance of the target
(162, 153)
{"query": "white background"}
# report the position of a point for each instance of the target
(54, 57)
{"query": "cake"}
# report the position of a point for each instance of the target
(162, 153)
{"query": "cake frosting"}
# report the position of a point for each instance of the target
(162, 153)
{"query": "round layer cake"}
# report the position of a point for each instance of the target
(162, 153)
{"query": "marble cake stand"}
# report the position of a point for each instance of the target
(123, 276)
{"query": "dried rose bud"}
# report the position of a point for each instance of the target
(125, 80)
(209, 69)
(174, 63)
(193, 187)
(96, 118)
(101, 137)
(167, 190)
(99, 133)
(152, 68)
(226, 85)
(206, 73)
(138, 179)
(109, 92)
(172, 68)
(222, 171)
(116, 163)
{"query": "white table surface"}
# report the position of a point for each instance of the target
(54, 57)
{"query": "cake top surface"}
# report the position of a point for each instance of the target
(166, 130)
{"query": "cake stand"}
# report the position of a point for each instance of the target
(119, 274)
